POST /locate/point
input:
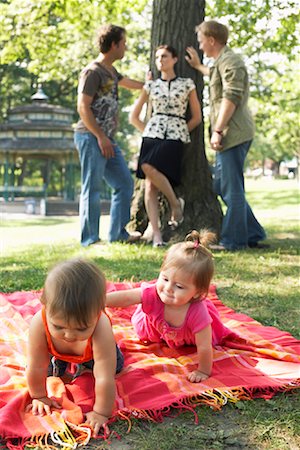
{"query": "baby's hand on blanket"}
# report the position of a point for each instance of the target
(42, 406)
(96, 421)
(196, 376)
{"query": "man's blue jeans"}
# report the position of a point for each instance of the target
(240, 228)
(94, 167)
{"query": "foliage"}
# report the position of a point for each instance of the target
(259, 26)
(50, 41)
(277, 118)
(267, 35)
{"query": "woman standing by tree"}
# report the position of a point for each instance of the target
(164, 137)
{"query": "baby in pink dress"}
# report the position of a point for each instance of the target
(150, 324)
(175, 309)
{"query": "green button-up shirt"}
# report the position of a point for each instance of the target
(229, 79)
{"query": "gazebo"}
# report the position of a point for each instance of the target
(38, 131)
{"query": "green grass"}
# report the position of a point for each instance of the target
(262, 284)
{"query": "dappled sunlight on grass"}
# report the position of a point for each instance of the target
(274, 199)
(283, 235)
(129, 262)
(266, 184)
(10, 222)
(25, 270)
(269, 199)
(28, 269)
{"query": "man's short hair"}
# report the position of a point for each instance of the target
(212, 28)
(107, 34)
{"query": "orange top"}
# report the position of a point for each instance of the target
(77, 359)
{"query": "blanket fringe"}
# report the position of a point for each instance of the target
(214, 398)
(71, 437)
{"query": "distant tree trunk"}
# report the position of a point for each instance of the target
(45, 171)
(173, 23)
(20, 179)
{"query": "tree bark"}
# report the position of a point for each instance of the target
(173, 23)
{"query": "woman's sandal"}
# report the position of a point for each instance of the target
(174, 224)
(159, 244)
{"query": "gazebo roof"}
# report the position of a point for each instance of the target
(39, 128)
(39, 107)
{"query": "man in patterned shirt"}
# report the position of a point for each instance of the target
(100, 156)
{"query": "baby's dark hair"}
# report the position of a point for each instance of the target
(75, 288)
(193, 256)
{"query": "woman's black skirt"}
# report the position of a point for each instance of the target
(163, 154)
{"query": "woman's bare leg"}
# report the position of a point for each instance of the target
(161, 182)
(151, 204)
(148, 233)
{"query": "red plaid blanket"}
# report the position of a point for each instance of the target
(258, 363)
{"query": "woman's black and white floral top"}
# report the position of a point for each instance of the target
(169, 101)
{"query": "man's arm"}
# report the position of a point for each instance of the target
(193, 59)
(233, 84)
(84, 110)
(227, 109)
(128, 83)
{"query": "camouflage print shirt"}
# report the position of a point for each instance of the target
(102, 84)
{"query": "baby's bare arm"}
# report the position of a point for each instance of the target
(37, 359)
(205, 356)
(123, 298)
(37, 368)
(104, 353)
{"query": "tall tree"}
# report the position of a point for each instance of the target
(267, 35)
(49, 42)
(173, 23)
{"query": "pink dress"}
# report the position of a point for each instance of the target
(150, 325)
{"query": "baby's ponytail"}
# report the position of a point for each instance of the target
(202, 238)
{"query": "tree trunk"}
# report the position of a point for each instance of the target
(20, 180)
(173, 23)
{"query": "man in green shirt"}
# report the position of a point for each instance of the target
(232, 131)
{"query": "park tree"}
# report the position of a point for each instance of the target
(277, 119)
(173, 23)
(49, 42)
(267, 36)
